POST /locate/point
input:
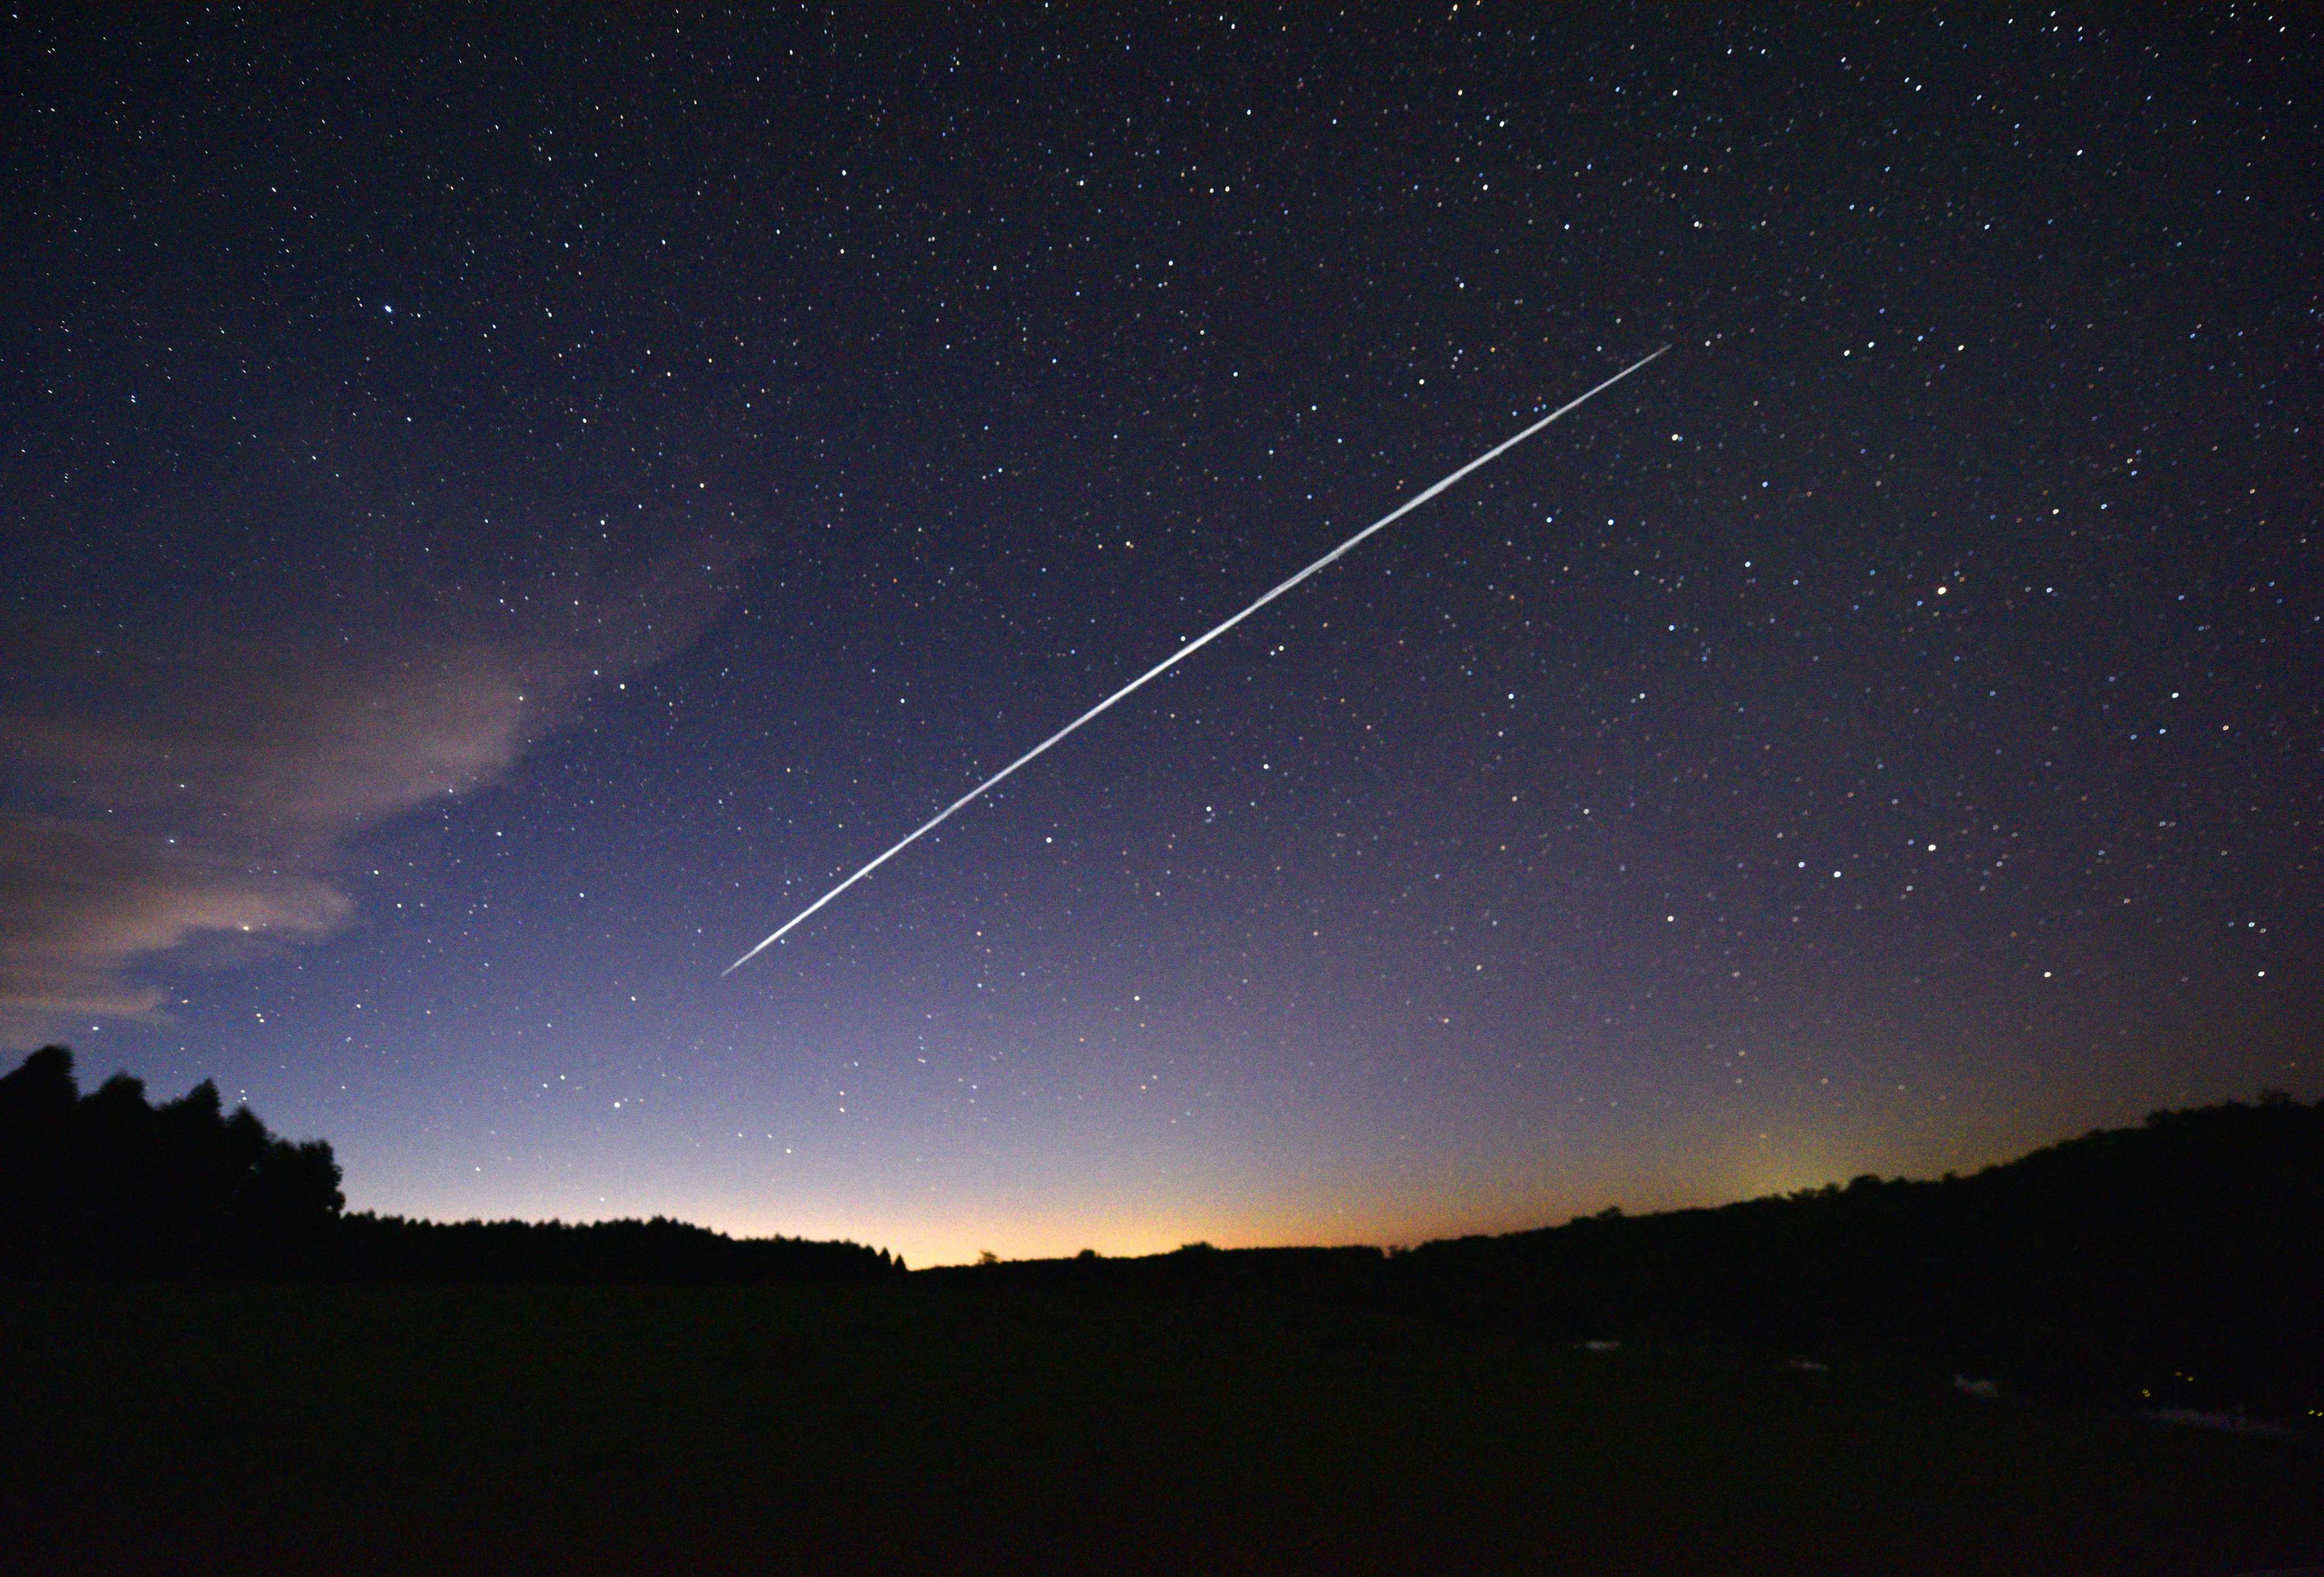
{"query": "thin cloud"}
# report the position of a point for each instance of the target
(182, 804)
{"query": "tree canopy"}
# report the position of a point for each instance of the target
(108, 1186)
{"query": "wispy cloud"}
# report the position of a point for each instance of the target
(181, 800)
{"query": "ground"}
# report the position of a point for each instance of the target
(940, 1426)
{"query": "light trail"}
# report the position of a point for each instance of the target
(1185, 651)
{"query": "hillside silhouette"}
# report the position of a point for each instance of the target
(2177, 1262)
(108, 1186)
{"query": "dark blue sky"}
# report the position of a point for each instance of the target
(500, 516)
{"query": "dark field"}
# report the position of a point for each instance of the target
(940, 1424)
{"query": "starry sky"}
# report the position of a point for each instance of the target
(498, 515)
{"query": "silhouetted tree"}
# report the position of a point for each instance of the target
(108, 1185)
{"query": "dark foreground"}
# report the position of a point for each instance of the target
(946, 1425)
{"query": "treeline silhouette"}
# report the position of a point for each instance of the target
(2177, 1263)
(2181, 1262)
(660, 1252)
(107, 1185)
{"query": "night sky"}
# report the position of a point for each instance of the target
(499, 516)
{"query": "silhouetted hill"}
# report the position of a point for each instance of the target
(105, 1186)
(2182, 1259)
(1195, 1269)
(2178, 1261)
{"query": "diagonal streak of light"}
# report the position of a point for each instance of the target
(1185, 651)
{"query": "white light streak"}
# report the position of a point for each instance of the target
(1183, 652)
